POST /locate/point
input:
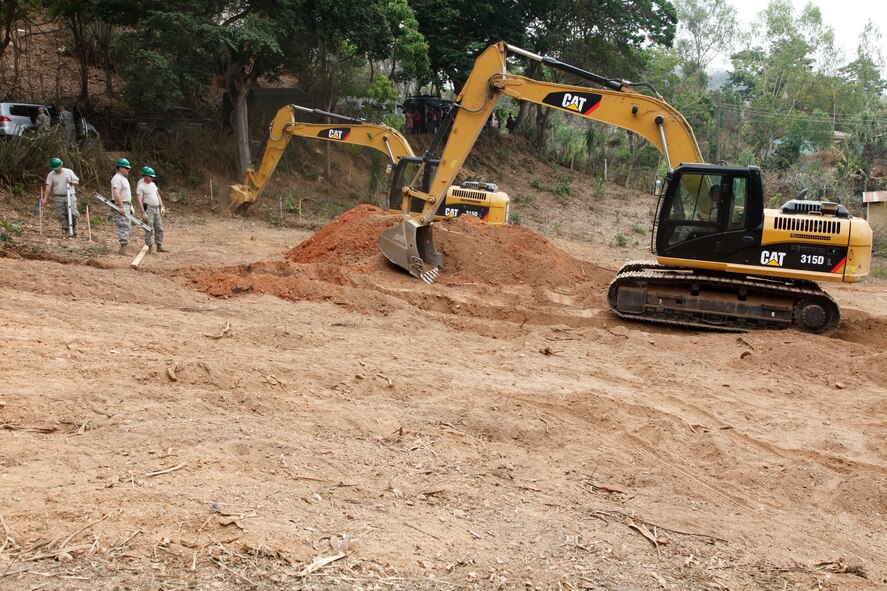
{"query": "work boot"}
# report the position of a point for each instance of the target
(122, 249)
(152, 249)
(161, 249)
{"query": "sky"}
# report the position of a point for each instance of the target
(846, 17)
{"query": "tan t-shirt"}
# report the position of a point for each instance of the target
(121, 183)
(149, 193)
(58, 180)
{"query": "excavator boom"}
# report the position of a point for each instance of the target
(410, 244)
(482, 200)
(284, 127)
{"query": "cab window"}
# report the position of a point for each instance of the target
(695, 208)
(736, 219)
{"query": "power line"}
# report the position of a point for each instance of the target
(820, 117)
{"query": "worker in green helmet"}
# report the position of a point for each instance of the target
(57, 183)
(151, 206)
(122, 194)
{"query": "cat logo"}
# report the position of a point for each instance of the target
(335, 133)
(772, 259)
(573, 103)
(579, 102)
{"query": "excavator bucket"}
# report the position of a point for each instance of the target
(410, 246)
(236, 199)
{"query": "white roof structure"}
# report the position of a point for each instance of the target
(874, 197)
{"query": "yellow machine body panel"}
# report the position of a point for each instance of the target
(800, 247)
(491, 207)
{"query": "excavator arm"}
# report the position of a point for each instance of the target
(410, 244)
(284, 127)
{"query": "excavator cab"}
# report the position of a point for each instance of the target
(710, 213)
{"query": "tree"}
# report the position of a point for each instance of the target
(706, 29)
(782, 79)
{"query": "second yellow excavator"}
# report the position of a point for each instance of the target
(479, 199)
(723, 260)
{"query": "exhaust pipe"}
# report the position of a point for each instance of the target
(410, 246)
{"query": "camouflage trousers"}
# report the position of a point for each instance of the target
(156, 222)
(61, 211)
(123, 225)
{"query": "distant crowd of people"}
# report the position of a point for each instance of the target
(427, 122)
(431, 120)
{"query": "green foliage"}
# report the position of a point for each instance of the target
(183, 154)
(639, 229)
(621, 240)
(600, 188)
(522, 199)
(25, 160)
(395, 120)
(564, 188)
(291, 202)
(537, 184)
(515, 218)
(9, 229)
(570, 144)
(381, 90)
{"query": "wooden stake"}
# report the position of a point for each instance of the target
(138, 260)
(41, 219)
(300, 211)
(88, 224)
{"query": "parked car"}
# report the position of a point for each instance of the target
(172, 119)
(17, 119)
(160, 124)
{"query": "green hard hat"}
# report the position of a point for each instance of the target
(148, 171)
(55, 163)
(123, 162)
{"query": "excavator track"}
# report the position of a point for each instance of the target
(675, 296)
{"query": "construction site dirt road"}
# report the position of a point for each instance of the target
(254, 412)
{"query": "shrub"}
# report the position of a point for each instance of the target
(9, 229)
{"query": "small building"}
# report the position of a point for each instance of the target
(876, 209)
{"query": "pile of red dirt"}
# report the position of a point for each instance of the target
(350, 239)
(474, 252)
(342, 263)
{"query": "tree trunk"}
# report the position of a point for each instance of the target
(542, 115)
(241, 127)
(523, 105)
(80, 51)
(9, 14)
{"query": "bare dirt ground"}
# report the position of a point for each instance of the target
(179, 427)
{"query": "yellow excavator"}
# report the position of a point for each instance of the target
(479, 199)
(724, 262)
